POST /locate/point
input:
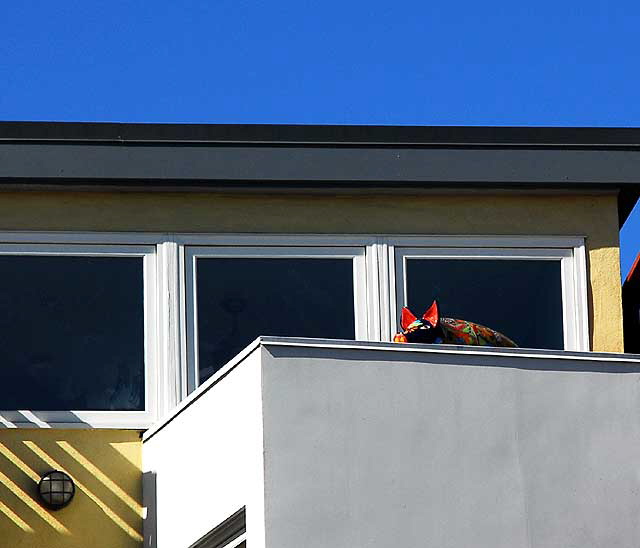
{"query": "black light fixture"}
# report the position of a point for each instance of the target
(56, 489)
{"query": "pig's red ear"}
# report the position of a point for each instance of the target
(431, 315)
(407, 318)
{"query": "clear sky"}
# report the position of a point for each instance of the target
(560, 63)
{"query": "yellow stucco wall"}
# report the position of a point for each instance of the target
(106, 511)
(592, 215)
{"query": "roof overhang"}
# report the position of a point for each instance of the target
(305, 158)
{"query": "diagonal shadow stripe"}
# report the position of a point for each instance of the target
(15, 518)
(108, 511)
(26, 499)
(101, 477)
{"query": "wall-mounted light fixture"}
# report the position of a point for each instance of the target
(56, 489)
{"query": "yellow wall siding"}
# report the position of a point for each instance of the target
(591, 215)
(106, 511)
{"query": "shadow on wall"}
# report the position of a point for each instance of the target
(106, 468)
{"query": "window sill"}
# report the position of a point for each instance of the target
(121, 420)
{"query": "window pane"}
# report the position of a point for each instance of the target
(71, 333)
(241, 299)
(520, 298)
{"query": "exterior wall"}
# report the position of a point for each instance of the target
(379, 446)
(106, 511)
(591, 215)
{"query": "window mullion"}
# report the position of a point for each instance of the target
(579, 273)
(169, 326)
(386, 279)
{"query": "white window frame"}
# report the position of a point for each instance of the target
(113, 419)
(569, 252)
(192, 253)
(169, 369)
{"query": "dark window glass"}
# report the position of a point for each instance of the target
(520, 298)
(71, 333)
(241, 299)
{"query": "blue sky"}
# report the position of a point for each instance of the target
(571, 63)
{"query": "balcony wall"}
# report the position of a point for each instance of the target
(335, 443)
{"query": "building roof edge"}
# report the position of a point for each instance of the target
(111, 132)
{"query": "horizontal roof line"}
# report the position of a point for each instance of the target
(269, 134)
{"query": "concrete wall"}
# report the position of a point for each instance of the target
(106, 511)
(376, 445)
(592, 215)
(376, 448)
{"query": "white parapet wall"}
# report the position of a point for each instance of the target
(204, 462)
(343, 444)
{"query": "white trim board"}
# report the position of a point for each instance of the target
(252, 239)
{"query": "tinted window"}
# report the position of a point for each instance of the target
(240, 299)
(520, 298)
(71, 333)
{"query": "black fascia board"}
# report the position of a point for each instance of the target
(274, 134)
(157, 156)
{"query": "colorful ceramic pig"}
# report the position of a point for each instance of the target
(431, 328)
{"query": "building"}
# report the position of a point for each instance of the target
(206, 311)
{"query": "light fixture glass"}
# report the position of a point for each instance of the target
(56, 489)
